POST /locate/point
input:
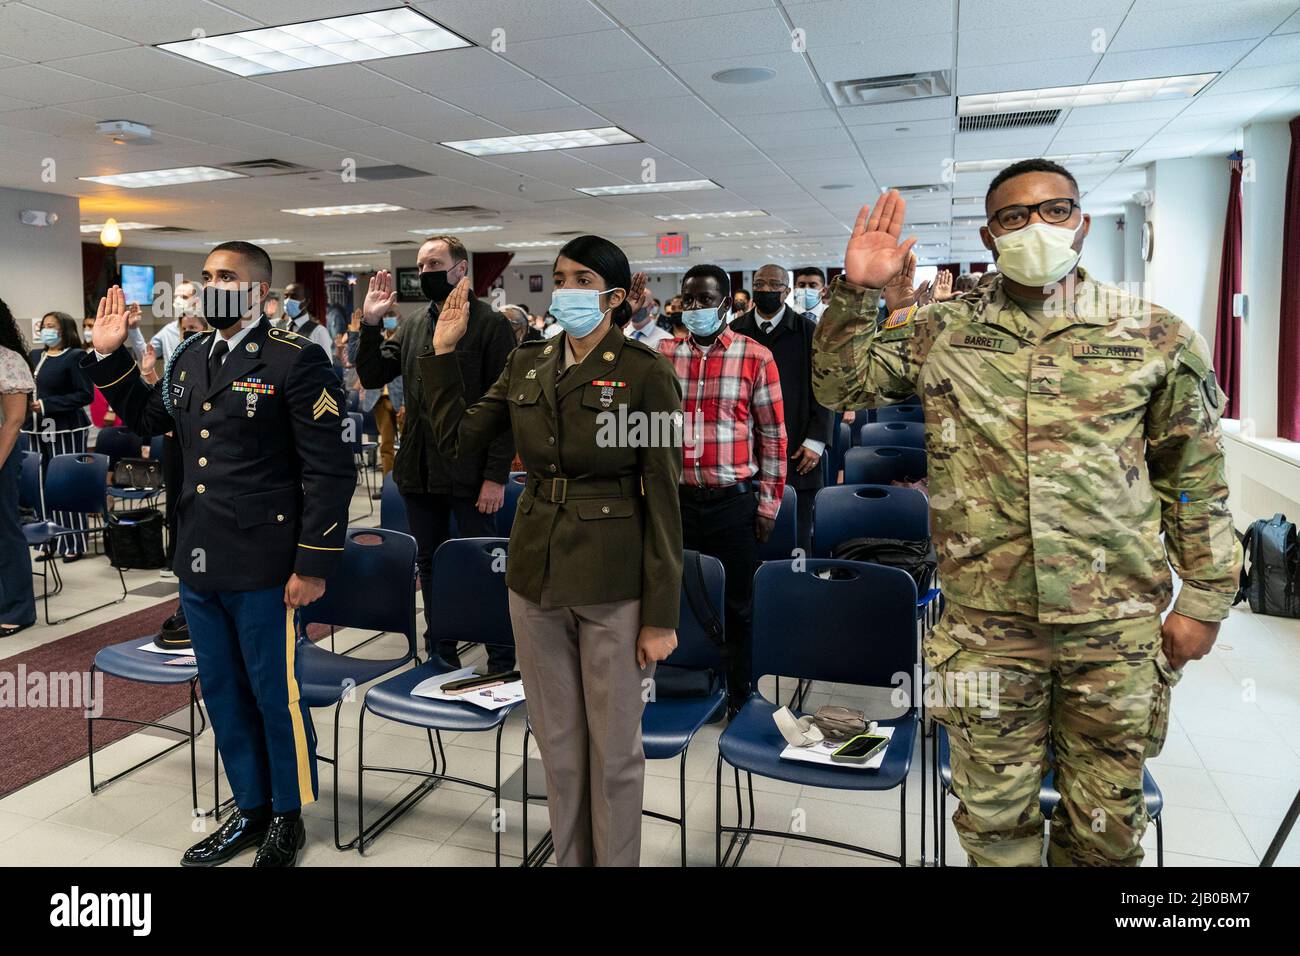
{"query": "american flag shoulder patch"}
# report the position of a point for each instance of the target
(898, 318)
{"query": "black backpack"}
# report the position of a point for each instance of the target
(917, 558)
(1270, 573)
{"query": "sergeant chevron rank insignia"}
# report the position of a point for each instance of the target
(325, 404)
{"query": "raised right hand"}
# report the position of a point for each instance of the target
(453, 319)
(379, 298)
(110, 322)
(874, 254)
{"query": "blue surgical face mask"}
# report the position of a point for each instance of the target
(292, 308)
(390, 321)
(49, 338)
(701, 321)
(807, 299)
(577, 310)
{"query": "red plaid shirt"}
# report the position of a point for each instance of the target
(735, 419)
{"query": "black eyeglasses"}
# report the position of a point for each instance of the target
(1049, 210)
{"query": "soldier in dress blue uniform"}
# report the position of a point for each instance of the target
(262, 516)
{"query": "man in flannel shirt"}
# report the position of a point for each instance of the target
(733, 472)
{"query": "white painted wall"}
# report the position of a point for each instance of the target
(40, 267)
(1103, 250)
(1191, 197)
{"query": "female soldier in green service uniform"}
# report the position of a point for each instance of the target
(595, 562)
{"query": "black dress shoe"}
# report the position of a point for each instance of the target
(285, 837)
(234, 836)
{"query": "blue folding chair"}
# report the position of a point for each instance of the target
(392, 509)
(906, 434)
(77, 484)
(669, 723)
(841, 441)
(128, 662)
(809, 623)
(469, 590)
(781, 543)
(883, 464)
(1048, 798)
(353, 424)
(878, 511)
(30, 494)
(371, 588)
(120, 442)
(899, 413)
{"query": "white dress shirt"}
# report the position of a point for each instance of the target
(651, 333)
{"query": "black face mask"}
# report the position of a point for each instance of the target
(185, 335)
(224, 307)
(767, 302)
(640, 315)
(435, 286)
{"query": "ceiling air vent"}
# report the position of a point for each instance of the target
(924, 191)
(1021, 119)
(478, 211)
(374, 174)
(899, 88)
(267, 167)
(401, 242)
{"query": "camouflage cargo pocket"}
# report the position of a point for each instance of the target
(939, 650)
(1161, 704)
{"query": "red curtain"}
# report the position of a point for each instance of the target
(1288, 353)
(486, 268)
(311, 276)
(1227, 327)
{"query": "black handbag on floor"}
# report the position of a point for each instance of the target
(134, 539)
(1270, 573)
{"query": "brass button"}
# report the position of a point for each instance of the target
(550, 440)
(552, 467)
(521, 396)
(200, 489)
(279, 517)
(203, 463)
(207, 406)
(204, 433)
(604, 509)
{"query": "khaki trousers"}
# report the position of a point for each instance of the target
(386, 420)
(585, 698)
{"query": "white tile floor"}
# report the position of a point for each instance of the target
(1229, 771)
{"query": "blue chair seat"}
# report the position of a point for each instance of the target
(42, 532)
(668, 724)
(126, 660)
(752, 743)
(133, 494)
(326, 675)
(392, 700)
(1048, 797)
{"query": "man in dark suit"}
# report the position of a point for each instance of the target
(262, 517)
(435, 488)
(788, 336)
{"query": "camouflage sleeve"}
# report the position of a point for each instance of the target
(855, 362)
(1185, 461)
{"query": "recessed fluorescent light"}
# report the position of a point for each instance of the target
(729, 214)
(256, 242)
(453, 230)
(164, 177)
(537, 142)
(335, 266)
(300, 46)
(1068, 160)
(1089, 94)
(99, 226)
(632, 189)
(353, 210)
(352, 252)
(531, 244)
(748, 233)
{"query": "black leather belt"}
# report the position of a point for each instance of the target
(560, 490)
(696, 493)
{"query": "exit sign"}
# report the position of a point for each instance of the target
(674, 244)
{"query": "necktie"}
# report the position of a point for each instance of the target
(639, 335)
(767, 328)
(810, 316)
(214, 360)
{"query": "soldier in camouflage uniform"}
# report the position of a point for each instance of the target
(1068, 424)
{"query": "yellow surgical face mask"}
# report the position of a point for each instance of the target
(1038, 254)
